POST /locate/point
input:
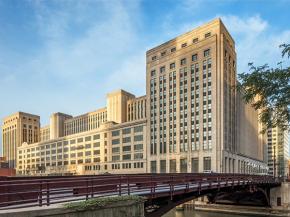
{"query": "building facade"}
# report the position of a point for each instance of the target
(278, 152)
(192, 105)
(191, 119)
(90, 143)
(16, 129)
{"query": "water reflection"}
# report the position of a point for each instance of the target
(192, 213)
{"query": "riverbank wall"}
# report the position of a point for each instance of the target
(128, 208)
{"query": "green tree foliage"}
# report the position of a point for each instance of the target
(268, 90)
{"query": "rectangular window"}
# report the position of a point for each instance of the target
(96, 144)
(163, 53)
(183, 61)
(126, 139)
(183, 165)
(138, 147)
(115, 150)
(153, 167)
(115, 141)
(97, 136)
(138, 129)
(126, 148)
(127, 157)
(154, 58)
(172, 166)
(116, 158)
(138, 138)
(153, 73)
(96, 152)
(173, 49)
(206, 164)
(162, 166)
(195, 40)
(194, 165)
(116, 133)
(194, 57)
(207, 35)
(184, 45)
(126, 131)
(138, 156)
(172, 65)
(88, 138)
(206, 53)
(162, 69)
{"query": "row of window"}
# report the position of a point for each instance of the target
(183, 45)
(125, 156)
(137, 129)
(183, 61)
(183, 165)
(128, 165)
(137, 138)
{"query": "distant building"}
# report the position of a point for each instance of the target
(278, 152)
(4, 168)
(16, 129)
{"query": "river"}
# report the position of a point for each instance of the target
(192, 213)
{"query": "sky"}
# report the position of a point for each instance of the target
(66, 55)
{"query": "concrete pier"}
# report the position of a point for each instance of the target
(280, 196)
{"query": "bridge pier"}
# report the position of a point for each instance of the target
(280, 196)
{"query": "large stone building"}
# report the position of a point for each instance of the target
(191, 119)
(194, 124)
(16, 129)
(278, 152)
(107, 140)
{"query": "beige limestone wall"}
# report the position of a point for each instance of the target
(250, 141)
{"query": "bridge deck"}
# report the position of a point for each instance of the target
(25, 192)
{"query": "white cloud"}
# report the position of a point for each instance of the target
(256, 40)
(97, 46)
(130, 76)
(254, 24)
(86, 50)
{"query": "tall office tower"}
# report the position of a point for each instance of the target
(16, 129)
(278, 152)
(191, 104)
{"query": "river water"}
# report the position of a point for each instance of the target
(192, 213)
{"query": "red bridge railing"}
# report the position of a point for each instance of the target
(28, 192)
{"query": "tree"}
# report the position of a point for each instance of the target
(268, 90)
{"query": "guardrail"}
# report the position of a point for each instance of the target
(44, 191)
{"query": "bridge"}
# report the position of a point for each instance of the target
(161, 191)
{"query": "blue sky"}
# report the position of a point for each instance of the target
(65, 55)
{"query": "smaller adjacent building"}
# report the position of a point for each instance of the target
(109, 140)
(18, 128)
(278, 152)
